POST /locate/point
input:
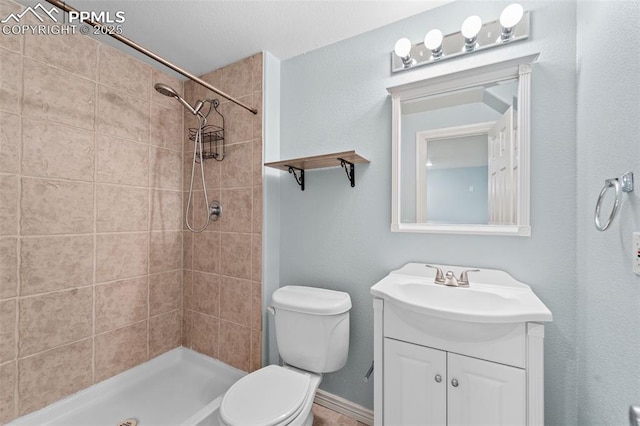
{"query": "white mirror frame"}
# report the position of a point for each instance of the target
(519, 68)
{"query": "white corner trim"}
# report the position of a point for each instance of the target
(344, 406)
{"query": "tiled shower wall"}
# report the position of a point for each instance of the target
(90, 216)
(223, 264)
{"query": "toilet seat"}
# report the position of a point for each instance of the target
(276, 395)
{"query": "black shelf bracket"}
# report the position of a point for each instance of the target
(300, 179)
(350, 171)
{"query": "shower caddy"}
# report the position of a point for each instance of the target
(212, 136)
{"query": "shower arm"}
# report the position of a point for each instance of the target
(150, 54)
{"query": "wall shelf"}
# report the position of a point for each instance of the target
(297, 166)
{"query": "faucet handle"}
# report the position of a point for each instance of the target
(439, 275)
(464, 278)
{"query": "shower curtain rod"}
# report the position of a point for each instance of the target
(144, 51)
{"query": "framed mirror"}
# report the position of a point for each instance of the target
(461, 151)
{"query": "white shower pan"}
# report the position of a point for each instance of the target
(180, 387)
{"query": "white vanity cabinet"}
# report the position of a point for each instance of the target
(457, 356)
(425, 386)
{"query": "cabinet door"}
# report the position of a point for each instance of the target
(415, 391)
(485, 393)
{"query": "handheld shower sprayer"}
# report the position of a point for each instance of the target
(168, 91)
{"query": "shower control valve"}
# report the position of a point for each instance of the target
(215, 210)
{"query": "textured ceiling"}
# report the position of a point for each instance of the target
(202, 35)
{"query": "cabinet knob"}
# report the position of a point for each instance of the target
(438, 378)
(454, 383)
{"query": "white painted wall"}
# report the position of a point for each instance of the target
(608, 144)
(335, 236)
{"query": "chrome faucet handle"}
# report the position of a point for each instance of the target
(450, 279)
(464, 278)
(439, 276)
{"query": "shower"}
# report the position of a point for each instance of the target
(213, 210)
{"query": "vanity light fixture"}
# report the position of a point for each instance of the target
(433, 42)
(474, 35)
(509, 18)
(403, 50)
(470, 29)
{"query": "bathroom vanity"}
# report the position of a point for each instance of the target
(447, 355)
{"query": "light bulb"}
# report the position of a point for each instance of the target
(511, 15)
(471, 27)
(433, 40)
(403, 47)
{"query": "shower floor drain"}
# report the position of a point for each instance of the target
(128, 422)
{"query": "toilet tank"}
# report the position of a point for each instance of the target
(312, 327)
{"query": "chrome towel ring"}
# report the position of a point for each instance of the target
(622, 184)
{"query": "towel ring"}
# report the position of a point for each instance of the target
(625, 186)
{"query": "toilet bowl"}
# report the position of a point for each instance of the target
(312, 332)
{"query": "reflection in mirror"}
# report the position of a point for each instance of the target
(461, 148)
(450, 135)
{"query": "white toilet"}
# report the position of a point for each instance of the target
(312, 331)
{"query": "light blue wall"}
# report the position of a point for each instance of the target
(335, 236)
(608, 144)
(450, 198)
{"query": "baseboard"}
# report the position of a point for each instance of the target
(344, 406)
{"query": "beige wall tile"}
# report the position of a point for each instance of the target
(173, 82)
(121, 303)
(187, 290)
(121, 256)
(122, 208)
(117, 69)
(55, 151)
(257, 118)
(165, 292)
(206, 249)
(256, 71)
(237, 78)
(165, 251)
(237, 204)
(256, 257)
(235, 300)
(256, 305)
(166, 127)
(256, 215)
(8, 267)
(10, 42)
(186, 328)
(203, 334)
(206, 293)
(235, 345)
(49, 376)
(8, 378)
(123, 162)
(58, 96)
(165, 166)
(9, 142)
(257, 162)
(236, 167)
(8, 205)
(187, 250)
(7, 330)
(54, 319)
(256, 351)
(69, 207)
(63, 52)
(239, 122)
(119, 350)
(212, 169)
(165, 333)
(122, 115)
(10, 81)
(55, 263)
(166, 210)
(235, 259)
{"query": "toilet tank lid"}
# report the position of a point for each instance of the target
(311, 300)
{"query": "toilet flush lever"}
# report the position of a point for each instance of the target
(271, 310)
(366, 376)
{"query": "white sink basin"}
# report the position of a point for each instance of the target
(492, 297)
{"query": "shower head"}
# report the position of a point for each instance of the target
(168, 91)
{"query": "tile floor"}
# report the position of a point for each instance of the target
(325, 417)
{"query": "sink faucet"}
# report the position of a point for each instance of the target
(449, 279)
